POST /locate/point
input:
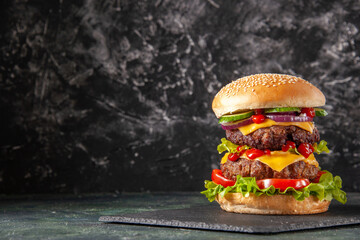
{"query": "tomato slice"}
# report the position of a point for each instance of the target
(233, 157)
(306, 149)
(282, 184)
(258, 118)
(218, 178)
(317, 179)
(310, 112)
(254, 153)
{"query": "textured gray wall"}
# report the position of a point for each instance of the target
(116, 95)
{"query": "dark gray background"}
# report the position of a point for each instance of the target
(100, 96)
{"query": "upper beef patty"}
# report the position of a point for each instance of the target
(259, 170)
(273, 137)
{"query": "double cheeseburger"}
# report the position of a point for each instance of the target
(269, 165)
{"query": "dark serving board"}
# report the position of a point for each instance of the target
(211, 217)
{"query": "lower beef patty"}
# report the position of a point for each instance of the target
(273, 137)
(259, 170)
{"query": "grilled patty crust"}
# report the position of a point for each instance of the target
(259, 170)
(274, 137)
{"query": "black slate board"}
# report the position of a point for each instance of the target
(211, 217)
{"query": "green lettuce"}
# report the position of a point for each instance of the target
(328, 188)
(226, 145)
(320, 112)
(321, 147)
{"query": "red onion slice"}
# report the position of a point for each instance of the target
(232, 125)
(287, 118)
(283, 113)
(275, 117)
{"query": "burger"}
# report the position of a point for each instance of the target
(268, 164)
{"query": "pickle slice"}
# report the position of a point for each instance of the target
(319, 112)
(283, 109)
(235, 117)
(239, 116)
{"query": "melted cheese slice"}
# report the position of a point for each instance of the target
(278, 160)
(224, 158)
(247, 129)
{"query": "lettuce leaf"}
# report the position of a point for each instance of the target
(328, 188)
(226, 145)
(320, 112)
(321, 147)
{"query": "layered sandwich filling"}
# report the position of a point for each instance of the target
(274, 146)
(271, 143)
(285, 166)
(273, 137)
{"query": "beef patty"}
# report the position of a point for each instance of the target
(259, 170)
(273, 137)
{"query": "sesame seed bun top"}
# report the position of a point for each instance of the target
(266, 91)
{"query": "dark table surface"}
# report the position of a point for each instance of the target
(76, 217)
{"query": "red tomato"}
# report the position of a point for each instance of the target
(289, 144)
(233, 157)
(258, 111)
(240, 150)
(316, 180)
(282, 184)
(254, 153)
(285, 148)
(310, 112)
(267, 152)
(259, 118)
(305, 149)
(218, 178)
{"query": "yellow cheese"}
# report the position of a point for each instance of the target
(247, 129)
(278, 160)
(224, 158)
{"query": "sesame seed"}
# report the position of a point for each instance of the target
(253, 81)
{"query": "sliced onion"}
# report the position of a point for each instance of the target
(283, 113)
(287, 118)
(232, 125)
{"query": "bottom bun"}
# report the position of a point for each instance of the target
(277, 204)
